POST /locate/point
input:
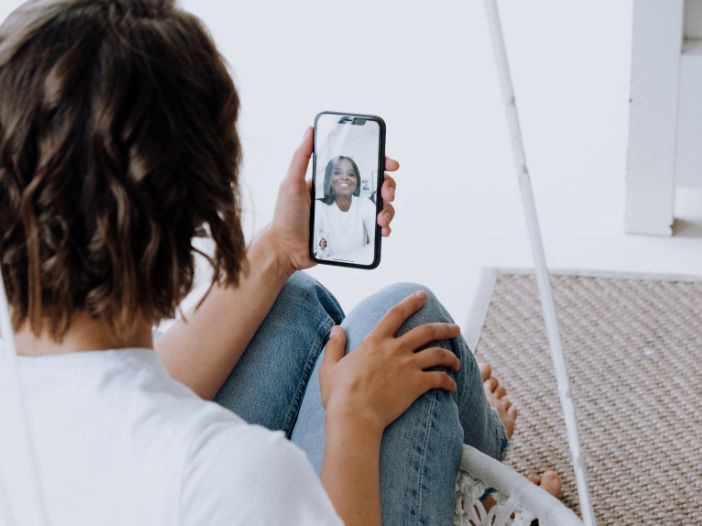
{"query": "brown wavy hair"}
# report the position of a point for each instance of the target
(118, 147)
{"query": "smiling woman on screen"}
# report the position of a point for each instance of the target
(344, 218)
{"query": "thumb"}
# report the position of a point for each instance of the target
(301, 157)
(336, 347)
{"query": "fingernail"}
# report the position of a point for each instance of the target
(386, 216)
(336, 331)
(392, 192)
(307, 132)
(421, 294)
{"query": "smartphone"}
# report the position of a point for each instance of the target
(348, 168)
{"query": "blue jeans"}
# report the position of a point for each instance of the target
(276, 384)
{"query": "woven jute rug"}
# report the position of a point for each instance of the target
(634, 350)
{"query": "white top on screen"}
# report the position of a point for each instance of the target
(118, 441)
(346, 232)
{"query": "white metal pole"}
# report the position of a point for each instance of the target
(541, 271)
(36, 509)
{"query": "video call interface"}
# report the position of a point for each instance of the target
(345, 178)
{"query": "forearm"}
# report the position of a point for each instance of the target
(351, 470)
(202, 352)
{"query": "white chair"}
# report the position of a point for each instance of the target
(519, 501)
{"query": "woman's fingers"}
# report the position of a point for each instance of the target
(385, 217)
(334, 351)
(301, 157)
(388, 189)
(429, 332)
(397, 315)
(437, 357)
(437, 380)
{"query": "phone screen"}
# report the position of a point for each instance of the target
(348, 166)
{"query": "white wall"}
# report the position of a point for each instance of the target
(427, 69)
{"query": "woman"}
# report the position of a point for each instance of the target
(117, 149)
(342, 216)
(322, 250)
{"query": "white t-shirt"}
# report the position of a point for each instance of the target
(345, 231)
(119, 442)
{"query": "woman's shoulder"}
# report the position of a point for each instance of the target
(219, 428)
(224, 460)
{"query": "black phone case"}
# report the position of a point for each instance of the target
(379, 200)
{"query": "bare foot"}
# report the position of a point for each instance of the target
(549, 482)
(485, 370)
(497, 397)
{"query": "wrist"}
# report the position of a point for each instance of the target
(352, 420)
(278, 260)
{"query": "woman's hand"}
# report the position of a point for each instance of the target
(377, 382)
(290, 229)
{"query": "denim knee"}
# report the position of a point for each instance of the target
(302, 286)
(268, 383)
(432, 311)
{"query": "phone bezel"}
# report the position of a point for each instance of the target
(379, 197)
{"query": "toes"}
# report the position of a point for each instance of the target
(504, 405)
(485, 370)
(535, 479)
(552, 476)
(491, 384)
(551, 482)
